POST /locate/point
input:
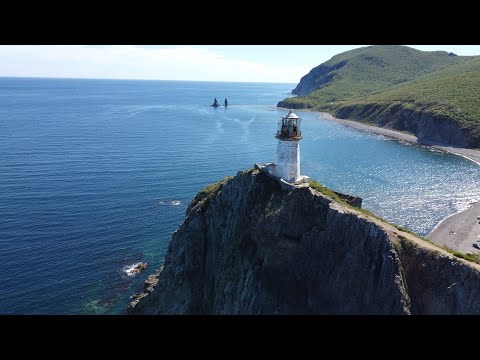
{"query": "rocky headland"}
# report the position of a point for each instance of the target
(250, 246)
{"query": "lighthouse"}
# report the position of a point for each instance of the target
(288, 149)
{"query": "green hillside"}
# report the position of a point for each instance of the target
(450, 93)
(365, 70)
(431, 94)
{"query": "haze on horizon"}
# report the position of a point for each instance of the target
(236, 63)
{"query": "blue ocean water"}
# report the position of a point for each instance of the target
(95, 176)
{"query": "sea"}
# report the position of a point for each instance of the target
(96, 175)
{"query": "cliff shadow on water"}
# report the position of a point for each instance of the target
(249, 246)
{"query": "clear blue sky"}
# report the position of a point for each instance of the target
(256, 63)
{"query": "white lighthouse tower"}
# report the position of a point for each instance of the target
(288, 150)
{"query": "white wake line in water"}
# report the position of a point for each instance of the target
(238, 121)
(219, 126)
(245, 125)
(219, 129)
(133, 110)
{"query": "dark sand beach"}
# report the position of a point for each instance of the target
(459, 231)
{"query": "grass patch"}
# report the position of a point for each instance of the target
(331, 194)
(205, 195)
(327, 192)
(469, 257)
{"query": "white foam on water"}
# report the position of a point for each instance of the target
(215, 135)
(170, 202)
(133, 110)
(245, 125)
(131, 270)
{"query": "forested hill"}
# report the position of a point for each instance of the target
(430, 94)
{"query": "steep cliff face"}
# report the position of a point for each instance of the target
(429, 129)
(247, 246)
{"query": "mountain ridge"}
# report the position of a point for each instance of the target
(429, 94)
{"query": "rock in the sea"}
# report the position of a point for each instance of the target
(148, 286)
(249, 246)
(152, 280)
(136, 268)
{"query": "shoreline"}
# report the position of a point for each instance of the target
(470, 154)
(458, 231)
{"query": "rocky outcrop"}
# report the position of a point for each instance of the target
(135, 269)
(148, 286)
(247, 246)
(354, 201)
(428, 128)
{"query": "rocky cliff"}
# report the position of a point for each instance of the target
(428, 128)
(247, 246)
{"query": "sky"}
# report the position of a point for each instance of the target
(244, 63)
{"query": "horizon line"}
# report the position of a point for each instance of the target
(85, 78)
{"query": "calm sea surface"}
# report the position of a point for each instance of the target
(95, 176)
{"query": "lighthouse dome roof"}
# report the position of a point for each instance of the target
(291, 115)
